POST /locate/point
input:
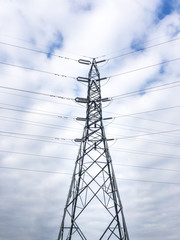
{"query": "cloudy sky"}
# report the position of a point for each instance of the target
(41, 42)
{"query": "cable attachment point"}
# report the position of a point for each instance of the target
(77, 140)
(82, 79)
(101, 61)
(108, 118)
(104, 100)
(100, 79)
(80, 119)
(83, 61)
(81, 100)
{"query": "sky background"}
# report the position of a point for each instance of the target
(41, 42)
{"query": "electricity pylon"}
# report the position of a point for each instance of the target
(93, 210)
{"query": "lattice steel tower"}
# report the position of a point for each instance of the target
(93, 210)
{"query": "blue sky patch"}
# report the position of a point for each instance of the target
(56, 44)
(87, 6)
(149, 82)
(137, 44)
(78, 6)
(166, 8)
(173, 30)
(77, 90)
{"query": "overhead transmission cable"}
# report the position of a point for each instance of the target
(120, 138)
(132, 128)
(145, 67)
(142, 129)
(148, 111)
(38, 112)
(37, 70)
(65, 173)
(39, 139)
(146, 90)
(42, 45)
(132, 115)
(147, 134)
(141, 49)
(137, 50)
(149, 154)
(40, 124)
(35, 155)
(38, 136)
(52, 114)
(146, 181)
(42, 99)
(71, 159)
(38, 51)
(156, 121)
(37, 123)
(154, 142)
(37, 93)
(65, 141)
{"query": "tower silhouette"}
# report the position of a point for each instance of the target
(93, 209)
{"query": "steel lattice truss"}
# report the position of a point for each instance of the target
(93, 209)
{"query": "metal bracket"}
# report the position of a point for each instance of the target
(81, 100)
(83, 61)
(82, 79)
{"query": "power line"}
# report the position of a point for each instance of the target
(146, 181)
(147, 134)
(67, 117)
(42, 100)
(42, 45)
(61, 173)
(142, 49)
(142, 68)
(37, 70)
(38, 112)
(127, 48)
(38, 51)
(45, 113)
(35, 155)
(150, 168)
(57, 139)
(125, 115)
(34, 170)
(141, 128)
(153, 120)
(148, 111)
(39, 140)
(157, 121)
(151, 154)
(151, 141)
(140, 135)
(147, 90)
(147, 140)
(37, 93)
(71, 159)
(37, 123)
(38, 136)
